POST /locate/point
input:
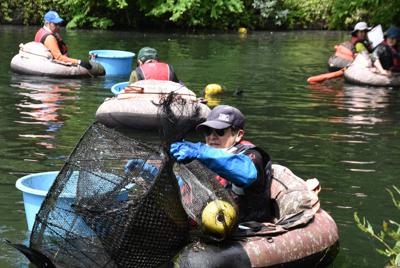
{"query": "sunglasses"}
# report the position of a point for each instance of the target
(219, 132)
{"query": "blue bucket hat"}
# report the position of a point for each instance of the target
(393, 32)
(53, 17)
(223, 116)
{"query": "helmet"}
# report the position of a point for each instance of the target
(147, 53)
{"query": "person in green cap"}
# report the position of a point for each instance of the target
(149, 67)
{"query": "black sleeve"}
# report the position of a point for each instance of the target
(173, 77)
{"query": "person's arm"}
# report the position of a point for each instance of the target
(378, 66)
(237, 168)
(52, 45)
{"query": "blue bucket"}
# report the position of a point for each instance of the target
(34, 189)
(116, 88)
(115, 62)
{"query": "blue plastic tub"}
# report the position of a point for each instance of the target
(116, 88)
(34, 189)
(115, 62)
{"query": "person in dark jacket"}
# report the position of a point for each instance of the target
(242, 168)
(385, 56)
(149, 67)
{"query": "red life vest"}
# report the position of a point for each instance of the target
(396, 59)
(344, 51)
(155, 70)
(41, 35)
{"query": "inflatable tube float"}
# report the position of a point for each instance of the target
(342, 58)
(35, 59)
(361, 72)
(303, 235)
(136, 105)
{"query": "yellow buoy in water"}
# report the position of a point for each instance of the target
(213, 89)
(218, 217)
(242, 30)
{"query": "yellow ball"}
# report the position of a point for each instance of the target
(218, 217)
(213, 89)
(242, 30)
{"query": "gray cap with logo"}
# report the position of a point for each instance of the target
(223, 116)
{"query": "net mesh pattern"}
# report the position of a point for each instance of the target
(120, 202)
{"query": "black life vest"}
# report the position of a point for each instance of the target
(254, 201)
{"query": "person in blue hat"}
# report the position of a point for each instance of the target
(149, 67)
(242, 168)
(50, 37)
(386, 57)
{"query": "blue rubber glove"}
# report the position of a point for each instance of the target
(185, 150)
(237, 168)
(140, 163)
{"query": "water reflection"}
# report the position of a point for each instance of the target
(362, 104)
(40, 104)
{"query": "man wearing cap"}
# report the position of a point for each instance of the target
(386, 57)
(242, 168)
(49, 36)
(359, 37)
(149, 67)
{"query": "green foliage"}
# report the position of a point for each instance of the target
(390, 233)
(195, 12)
(272, 11)
(91, 13)
(308, 13)
(346, 13)
(212, 14)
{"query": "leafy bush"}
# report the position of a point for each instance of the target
(390, 233)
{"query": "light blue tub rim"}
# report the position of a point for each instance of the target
(116, 88)
(25, 189)
(112, 54)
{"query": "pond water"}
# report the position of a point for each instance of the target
(347, 136)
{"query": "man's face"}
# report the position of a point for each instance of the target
(54, 27)
(391, 41)
(222, 138)
(361, 35)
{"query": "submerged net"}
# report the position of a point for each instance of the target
(117, 201)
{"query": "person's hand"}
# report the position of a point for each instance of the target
(85, 64)
(186, 150)
(132, 164)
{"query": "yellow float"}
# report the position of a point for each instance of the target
(213, 89)
(218, 217)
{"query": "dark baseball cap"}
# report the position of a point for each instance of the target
(53, 17)
(223, 116)
(147, 53)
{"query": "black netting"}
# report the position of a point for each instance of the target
(119, 202)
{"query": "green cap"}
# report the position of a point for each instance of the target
(147, 53)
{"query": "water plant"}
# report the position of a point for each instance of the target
(389, 235)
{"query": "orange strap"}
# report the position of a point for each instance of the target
(133, 89)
